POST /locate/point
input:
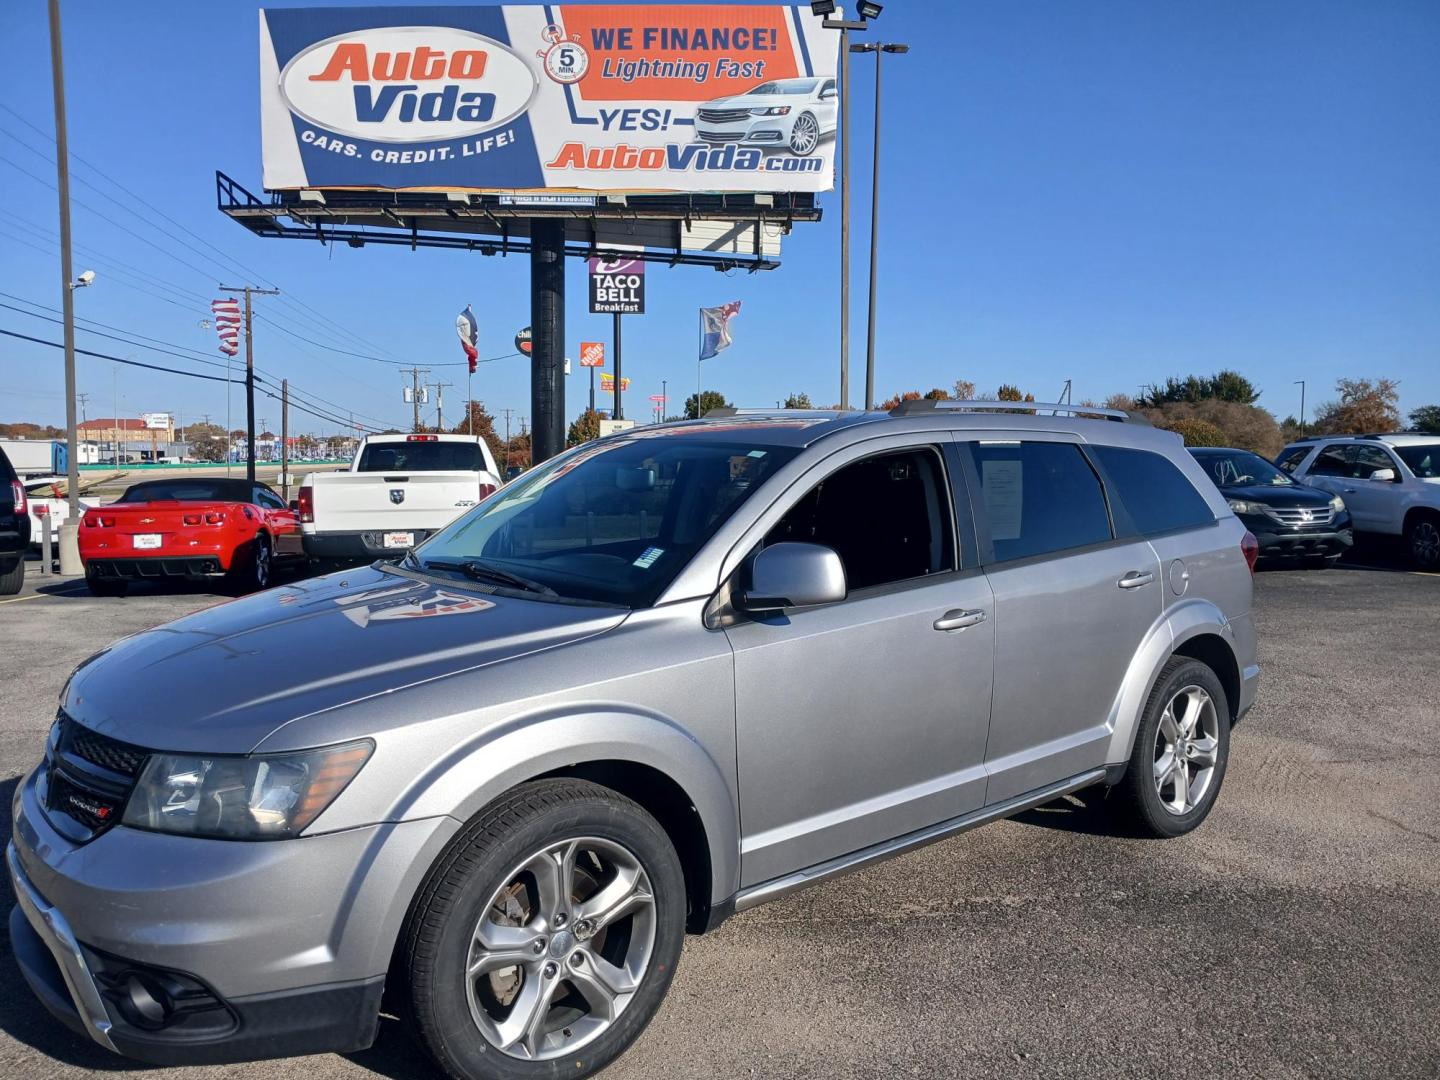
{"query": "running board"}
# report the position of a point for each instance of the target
(783, 886)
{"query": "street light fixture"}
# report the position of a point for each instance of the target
(87, 277)
(877, 48)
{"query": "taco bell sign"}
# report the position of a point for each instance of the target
(617, 287)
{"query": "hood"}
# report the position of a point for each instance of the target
(222, 679)
(1277, 496)
(753, 101)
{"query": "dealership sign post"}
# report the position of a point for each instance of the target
(501, 114)
(592, 356)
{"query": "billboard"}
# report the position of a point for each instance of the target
(567, 97)
(156, 421)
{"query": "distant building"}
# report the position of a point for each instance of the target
(125, 429)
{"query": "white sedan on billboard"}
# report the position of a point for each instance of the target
(793, 113)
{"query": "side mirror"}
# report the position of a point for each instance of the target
(794, 575)
(1383, 475)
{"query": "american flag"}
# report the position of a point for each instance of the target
(227, 324)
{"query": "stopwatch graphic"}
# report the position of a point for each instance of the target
(566, 60)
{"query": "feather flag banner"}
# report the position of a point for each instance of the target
(227, 324)
(469, 331)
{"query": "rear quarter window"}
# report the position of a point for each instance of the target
(1158, 497)
(1290, 458)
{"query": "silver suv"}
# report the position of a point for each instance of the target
(1391, 483)
(664, 677)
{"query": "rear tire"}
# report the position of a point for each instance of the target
(1181, 751)
(13, 580)
(99, 586)
(252, 572)
(519, 959)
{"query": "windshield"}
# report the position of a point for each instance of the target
(608, 522)
(1240, 468)
(1423, 459)
(397, 457)
(219, 490)
(789, 86)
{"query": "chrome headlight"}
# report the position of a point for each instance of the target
(1240, 506)
(1337, 504)
(773, 110)
(241, 797)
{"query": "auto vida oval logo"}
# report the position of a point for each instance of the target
(408, 84)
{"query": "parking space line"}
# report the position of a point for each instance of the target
(38, 595)
(1392, 570)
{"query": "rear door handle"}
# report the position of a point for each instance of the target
(1136, 578)
(959, 620)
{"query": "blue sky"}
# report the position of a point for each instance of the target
(1110, 192)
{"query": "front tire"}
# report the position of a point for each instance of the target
(805, 135)
(1422, 536)
(252, 572)
(1181, 751)
(545, 938)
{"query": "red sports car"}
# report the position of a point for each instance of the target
(196, 528)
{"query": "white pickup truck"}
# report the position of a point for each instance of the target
(399, 489)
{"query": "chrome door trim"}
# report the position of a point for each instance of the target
(783, 886)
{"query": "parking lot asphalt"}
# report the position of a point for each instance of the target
(1296, 934)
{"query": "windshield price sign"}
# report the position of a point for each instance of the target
(617, 287)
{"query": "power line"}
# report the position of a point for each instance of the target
(116, 359)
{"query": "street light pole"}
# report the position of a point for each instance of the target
(878, 49)
(1301, 383)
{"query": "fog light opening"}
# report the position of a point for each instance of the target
(150, 1004)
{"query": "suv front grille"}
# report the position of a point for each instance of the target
(723, 116)
(87, 779)
(1300, 517)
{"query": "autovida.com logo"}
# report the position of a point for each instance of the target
(682, 157)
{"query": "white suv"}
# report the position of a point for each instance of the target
(1391, 483)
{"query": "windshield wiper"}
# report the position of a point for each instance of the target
(478, 571)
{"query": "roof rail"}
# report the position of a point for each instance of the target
(726, 411)
(910, 408)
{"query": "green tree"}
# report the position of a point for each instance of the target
(1365, 406)
(1197, 432)
(1009, 393)
(484, 427)
(709, 399)
(1247, 427)
(1222, 386)
(798, 401)
(207, 441)
(585, 428)
(1426, 419)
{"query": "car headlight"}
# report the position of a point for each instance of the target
(773, 110)
(1337, 504)
(1240, 506)
(241, 797)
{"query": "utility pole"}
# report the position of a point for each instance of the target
(440, 403)
(70, 531)
(507, 441)
(1301, 383)
(415, 373)
(249, 290)
(664, 398)
(285, 439)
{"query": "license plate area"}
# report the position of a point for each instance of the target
(398, 540)
(144, 541)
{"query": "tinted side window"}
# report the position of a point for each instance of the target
(1331, 462)
(1289, 460)
(1156, 494)
(1369, 458)
(1039, 497)
(888, 517)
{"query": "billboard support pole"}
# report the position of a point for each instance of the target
(547, 355)
(844, 222)
(619, 383)
(592, 389)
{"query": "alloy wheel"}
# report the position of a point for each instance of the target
(262, 563)
(561, 948)
(805, 134)
(1187, 747)
(1425, 542)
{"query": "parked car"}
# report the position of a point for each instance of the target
(1289, 519)
(47, 497)
(1390, 483)
(14, 529)
(199, 528)
(665, 676)
(791, 113)
(398, 490)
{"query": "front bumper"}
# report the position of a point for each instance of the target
(272, 949)
(771, 131)
(1284, 541)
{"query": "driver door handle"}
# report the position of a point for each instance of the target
(959, 620)
(1136, 578)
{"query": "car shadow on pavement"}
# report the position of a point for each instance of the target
(394, 1054)
(22, 1017)
(1081, 812)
